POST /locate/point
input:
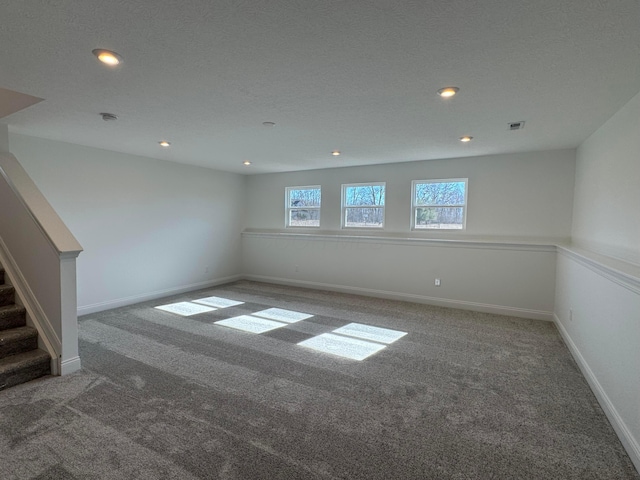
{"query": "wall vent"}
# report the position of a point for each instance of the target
(516, 125)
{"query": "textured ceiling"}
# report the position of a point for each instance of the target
(360, 77)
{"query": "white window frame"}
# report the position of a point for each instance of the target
(288, 208)
(345, 207)
(414, 207)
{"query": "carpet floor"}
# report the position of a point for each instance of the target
(463, 395)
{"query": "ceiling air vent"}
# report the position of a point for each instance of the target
(516, 125)
(108, 117)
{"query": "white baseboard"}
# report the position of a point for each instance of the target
(122, 302)
(70, 365)
(630, 443)
(408, 297)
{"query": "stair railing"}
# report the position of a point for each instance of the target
(38, 253)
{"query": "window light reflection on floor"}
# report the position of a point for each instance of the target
(250, 324)
(346, 347)
(264, 320)
(367, 332)
(218, 302)
(282, 315)
(355, 341)
(185, 308)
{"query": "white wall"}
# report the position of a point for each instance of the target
(607, 193)
(4, 138)
(603, 293)
(527, 196)
(148, 227)
(510, 279)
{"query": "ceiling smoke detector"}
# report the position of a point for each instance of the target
(516, 125)
(108, 117)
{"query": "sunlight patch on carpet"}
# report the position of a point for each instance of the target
(282, 315)
(346, 347)
(250, 324)
(185, 308)
(367, 332)
(218, 302)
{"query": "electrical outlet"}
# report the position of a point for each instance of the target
(437, 282)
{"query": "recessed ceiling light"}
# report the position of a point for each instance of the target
(447, 92)
(335, 153)
(165, 144)
(269, 124)
(246, 163)
(107, 57)
(466, 138)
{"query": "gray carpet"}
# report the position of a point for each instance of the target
(463, 396)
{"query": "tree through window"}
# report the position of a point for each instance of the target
(439, 204)
(363, 205)
(302, 206)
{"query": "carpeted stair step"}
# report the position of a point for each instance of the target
(17, 340)
(6, 295)
(24, 367)
(12, 316)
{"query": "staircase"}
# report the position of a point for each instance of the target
(20, 358)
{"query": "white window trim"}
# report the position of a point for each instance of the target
(343, 221)
(463, 205)
(288, 208)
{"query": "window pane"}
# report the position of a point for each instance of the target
(439, 217)
(304, 197)
(304, 218)
(364, 217)
(364, 195)
(440, 193)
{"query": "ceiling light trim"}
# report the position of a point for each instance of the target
(107, 57)
(448, 92)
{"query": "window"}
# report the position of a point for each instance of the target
(439, 204)
(302, 206)
(363, 205)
